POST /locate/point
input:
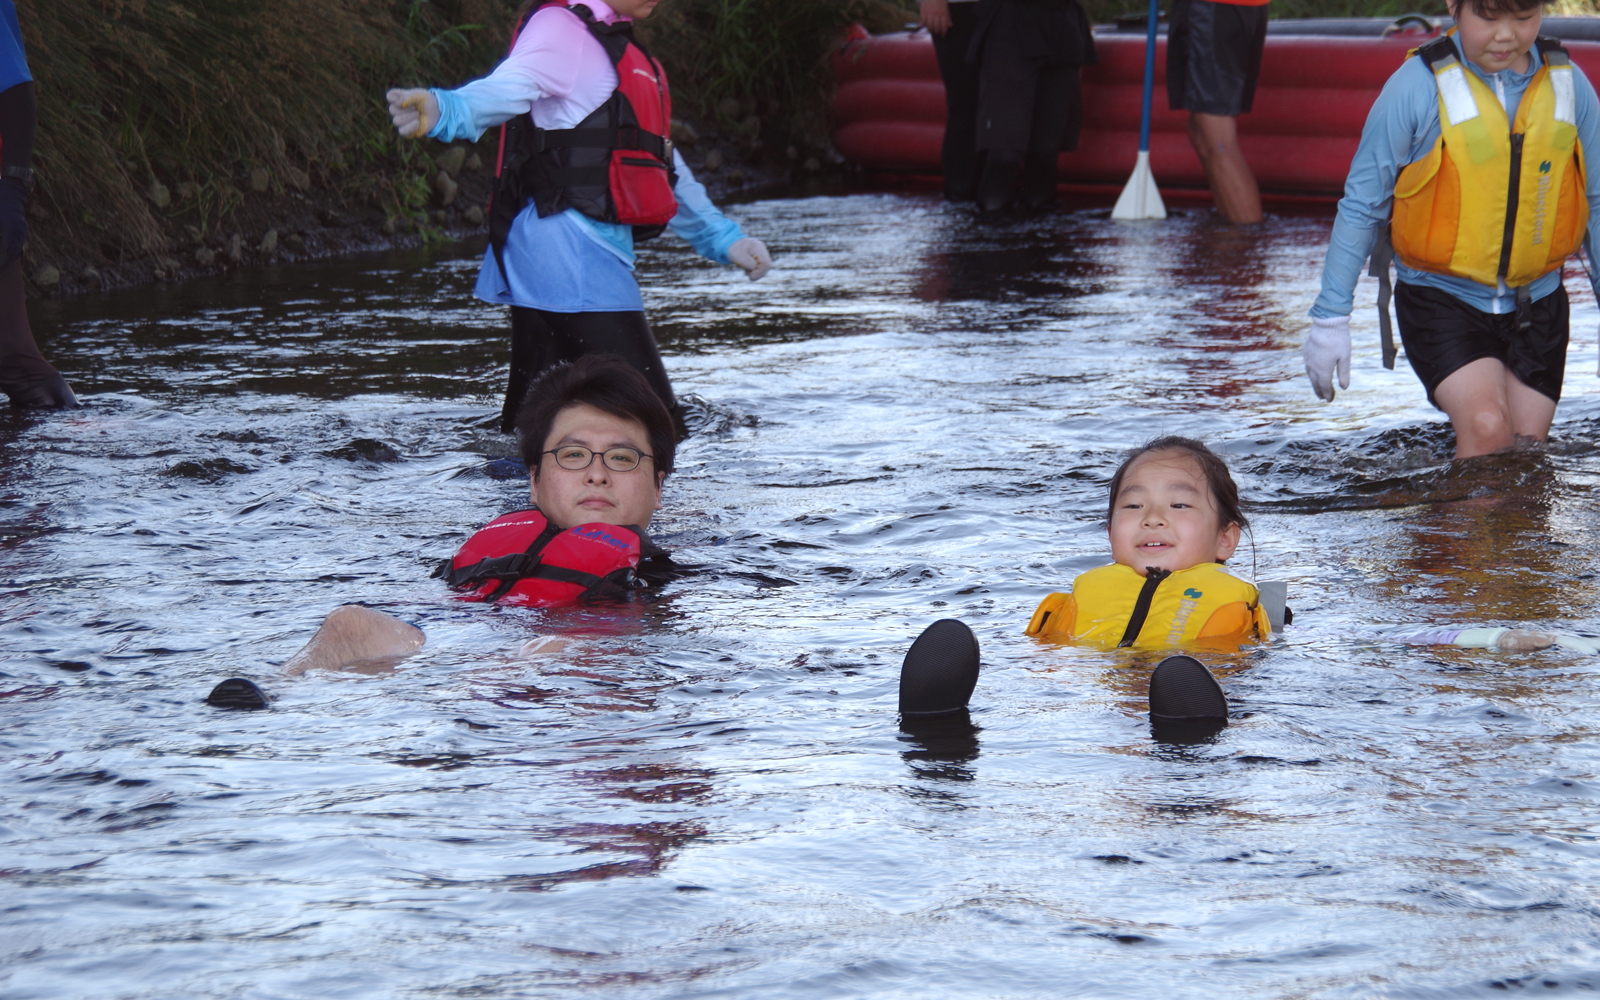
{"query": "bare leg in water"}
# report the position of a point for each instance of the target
(361, 640)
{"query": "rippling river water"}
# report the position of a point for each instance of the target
(913, 417)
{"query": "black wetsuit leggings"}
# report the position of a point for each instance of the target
(540, 339)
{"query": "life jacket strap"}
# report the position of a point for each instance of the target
(1141, 605)
(1382, 256)
(622, 137)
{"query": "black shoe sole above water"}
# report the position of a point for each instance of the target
(236, 692)
(1182, 688)
(940, 670)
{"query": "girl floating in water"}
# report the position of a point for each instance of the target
(586, 169)
(1174, 520)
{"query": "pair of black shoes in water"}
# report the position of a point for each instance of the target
(941, 670)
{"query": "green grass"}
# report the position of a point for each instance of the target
(193, 95)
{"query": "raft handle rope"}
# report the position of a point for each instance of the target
(1141, 606)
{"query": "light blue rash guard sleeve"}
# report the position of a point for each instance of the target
(1402, 126)
(698, 221)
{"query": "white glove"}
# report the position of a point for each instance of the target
(415, 112)
(751, 254)
(1327, 346)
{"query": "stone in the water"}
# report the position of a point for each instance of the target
(235, 249)
(366, 450)
(295, 241)
(473, 215)
(90, 277)
(713, 161)
(684, 134)
(47, 276)
(205, 256)
(269, 243)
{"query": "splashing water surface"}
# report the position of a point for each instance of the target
(708, 795)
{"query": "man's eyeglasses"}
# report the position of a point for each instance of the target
(575, 458)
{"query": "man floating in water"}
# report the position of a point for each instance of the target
(599, 444)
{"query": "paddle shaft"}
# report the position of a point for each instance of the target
(1149, 76)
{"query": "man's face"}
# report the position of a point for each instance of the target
(596, 494)
(1498, 41)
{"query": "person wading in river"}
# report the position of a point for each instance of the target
(25, 376)
(599, 444)
(587, 168)
(1471, 168)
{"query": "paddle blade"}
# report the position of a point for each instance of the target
(1140, 199)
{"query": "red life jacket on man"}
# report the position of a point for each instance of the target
(614, 166)
(523, 559)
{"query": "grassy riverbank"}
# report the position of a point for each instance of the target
(178, 135)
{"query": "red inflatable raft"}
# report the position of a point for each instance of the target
(1318, 80)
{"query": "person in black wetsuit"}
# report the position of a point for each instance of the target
(26, 377)
(1030, 56)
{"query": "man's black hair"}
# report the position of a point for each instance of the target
(605, 382)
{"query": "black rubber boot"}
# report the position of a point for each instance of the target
(940, 670)
(997, 187)
(236, 692)
(49, 394)
(1039, 182)
(1186, 702)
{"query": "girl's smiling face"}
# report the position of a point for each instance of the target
(1498, 40)
(1164, 516)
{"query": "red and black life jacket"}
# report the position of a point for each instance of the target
(614, 166)
(523, 559)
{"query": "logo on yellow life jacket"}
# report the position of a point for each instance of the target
(1494, 199)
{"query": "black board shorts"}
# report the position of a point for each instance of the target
(1214, 56)
(1442, 334)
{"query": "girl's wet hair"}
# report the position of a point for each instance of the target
(1493, 8)
(1224, 491)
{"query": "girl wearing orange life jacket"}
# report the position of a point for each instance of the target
(586, 169)
(1473, 156)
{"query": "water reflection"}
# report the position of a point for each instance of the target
(940, 746)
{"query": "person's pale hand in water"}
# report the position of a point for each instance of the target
(415, 112)
(1327, 347)
(752, 255)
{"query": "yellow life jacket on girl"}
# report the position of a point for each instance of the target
(1495, 200)
(1114, 606)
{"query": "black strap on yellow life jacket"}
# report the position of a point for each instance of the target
(1141, 606)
